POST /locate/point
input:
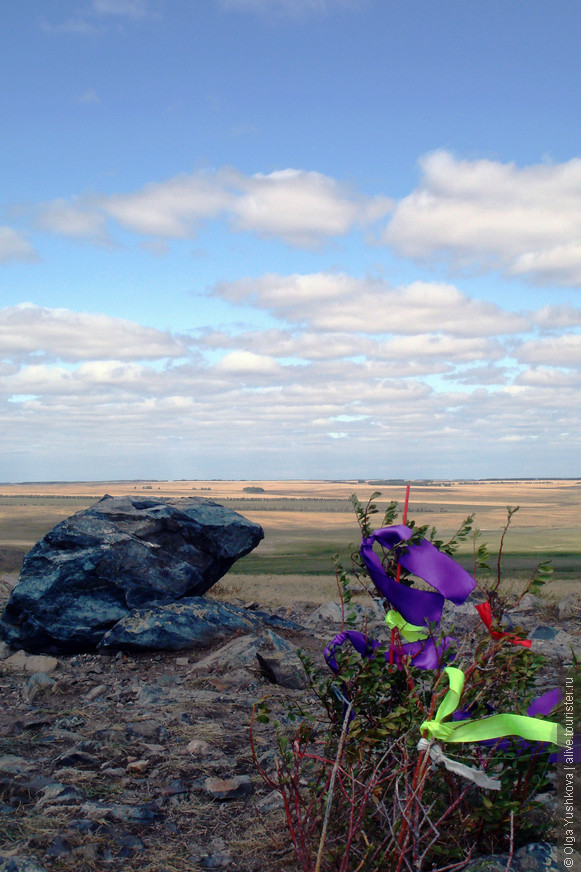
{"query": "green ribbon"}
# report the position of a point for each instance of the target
(493, 727)
(410, 632)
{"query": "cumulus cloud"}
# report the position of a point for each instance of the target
(562, 350)
(15, 247)
(248, 363)
(490, 215)
(339, 302)
(61, 334)
(74, 219)
(302, 208)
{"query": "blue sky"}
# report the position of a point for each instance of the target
(289, 239)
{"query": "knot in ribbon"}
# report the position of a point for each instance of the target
(485, 613)
(438, 730)
(494, 727)
(410, 632)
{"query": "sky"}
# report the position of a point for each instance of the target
(290, 239)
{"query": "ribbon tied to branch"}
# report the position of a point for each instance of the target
(424, 560)
(494, 727)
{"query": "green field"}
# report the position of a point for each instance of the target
(307, 523)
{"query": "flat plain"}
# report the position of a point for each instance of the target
(307, 522)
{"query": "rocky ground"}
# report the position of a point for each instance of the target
(144, 762)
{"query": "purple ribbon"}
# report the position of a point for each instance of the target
(425, 561)
(424, 654)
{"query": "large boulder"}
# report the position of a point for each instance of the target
(123, 553)
(192, 622)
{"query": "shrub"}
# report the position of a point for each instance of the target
(360, 791)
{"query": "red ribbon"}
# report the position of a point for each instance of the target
(486, 615)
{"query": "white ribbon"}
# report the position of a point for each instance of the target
(475, 775)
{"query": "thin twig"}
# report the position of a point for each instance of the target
(332, 786)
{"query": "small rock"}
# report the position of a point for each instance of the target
(283, 668)
(239, 652)
(147, 813)
(95, 692)
(59, 847)
(58, 794)
(528, 603)
(217, 860)
(137, 767)
(557, 648)
(237, 787)
(270, 803)
(38, 683)
(78, 759)
(31, 662)
(114, 771)
(19, 864)
(327, 613)
(174, 788)
(199, 748)
(544, 632)
(570, 607)
(13, 765)
(5, 651)
(149, 729)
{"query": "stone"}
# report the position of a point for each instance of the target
(536, 857)
(124, 553)
(561, 647)
(40, 682)
(94, 692)
(328, 613)
(11, 764)
(39, 663)
(20, 864)
(543, 631)
(58, 794)
(570, 607)
(148, 729)
(283, 668)
(137, 767)
(193, 622)
(238, 652)
(270, 803)
(147, 813)
(527, 604)
(237, 787)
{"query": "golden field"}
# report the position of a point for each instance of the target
(306, 522)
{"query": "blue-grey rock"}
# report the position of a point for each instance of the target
(192, 622)
(123, 553)
(536, 857)
(20, 864)
(543, 631)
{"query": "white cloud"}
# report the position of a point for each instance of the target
(338, 302)
(292, 8)
(302, 208)
(556, 317)
(552, 351)
(15, 247)
(123, 8)
(247, 363)
(61, 334)
(74, 219)
(483, 213)
(89, 96)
